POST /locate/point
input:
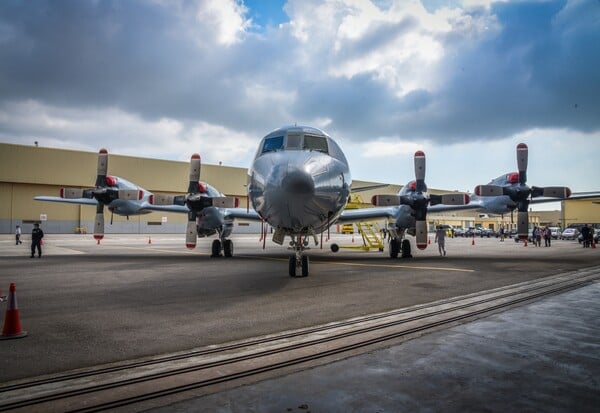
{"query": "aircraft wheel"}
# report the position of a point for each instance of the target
(228, 248)
(406, 249)
(292, 266)
(305, 266)
(216, 248)
(335, 247)
(394, 248)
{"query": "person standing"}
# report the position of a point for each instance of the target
(547, 237)
(585, 233)
(18, 235)
(440, 238)
(36, 240)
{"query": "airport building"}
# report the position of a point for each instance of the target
(27, 171)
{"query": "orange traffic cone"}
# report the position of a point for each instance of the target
(429, 241)
(149, 240)
(525, 244)
(473, 242)
(12, 325)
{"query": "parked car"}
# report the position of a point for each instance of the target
(555, 232)
(570, 233)
(459, 232)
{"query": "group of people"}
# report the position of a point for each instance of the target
(539, 233)
(587, 233)
(36, 239)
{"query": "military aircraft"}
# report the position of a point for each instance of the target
(299, 183)
(209, 211)
(119, 195)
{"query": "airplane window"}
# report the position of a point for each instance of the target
(315, 143)
(294, 141)
(273, 144)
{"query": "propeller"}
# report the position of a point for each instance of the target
(105, 192)
(196, 199)
(191, 235)
(520, 193)
(419, 200)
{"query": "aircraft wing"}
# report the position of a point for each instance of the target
(182, 209)
(81, 201)
(365, 214)
(242, 213)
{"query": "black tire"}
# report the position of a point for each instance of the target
(292, 266)
(335, 247)
(228, 248)
(216, 248)
(305, 266)
(394, 248)
(406, 249)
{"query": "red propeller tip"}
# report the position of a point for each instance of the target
(568, 192)
(103, 151)
(422, 246)
(190, 246)
(419, 153)
(98, 236)
(195, 156)
(374, 200)
(467, 199)
(521, 146)
(478, 190)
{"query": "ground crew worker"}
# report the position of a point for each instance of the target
(18, 235)
(36, 240)
(440, 238)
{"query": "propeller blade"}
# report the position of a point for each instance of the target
(523, 224)
(71, 193)
(386, 200)
(191, 236)
(102, 168)
(421, 234)
(522, 155)
(420, 171)
(551, 192)
(195, 165)
(99, 222)
(489, 190)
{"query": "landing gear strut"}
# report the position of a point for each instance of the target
(298, 260)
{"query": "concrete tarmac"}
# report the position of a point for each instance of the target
(85, 304)
(542, 357)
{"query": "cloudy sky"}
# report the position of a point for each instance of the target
(463, 80)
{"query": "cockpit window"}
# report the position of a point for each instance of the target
(294, 141)
(273, 144)
(315, 143)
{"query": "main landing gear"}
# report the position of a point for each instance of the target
(400, 246)
(298, 260)
(226, 246)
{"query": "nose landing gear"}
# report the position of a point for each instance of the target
(298, 260)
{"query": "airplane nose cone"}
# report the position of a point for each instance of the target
(298, 183)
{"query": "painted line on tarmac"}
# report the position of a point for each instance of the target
(349, 264)
(356, 264)
(178, 251)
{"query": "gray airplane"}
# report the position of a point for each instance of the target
(299, 183)
(119, 195)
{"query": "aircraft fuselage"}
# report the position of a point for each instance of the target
(300, 181)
